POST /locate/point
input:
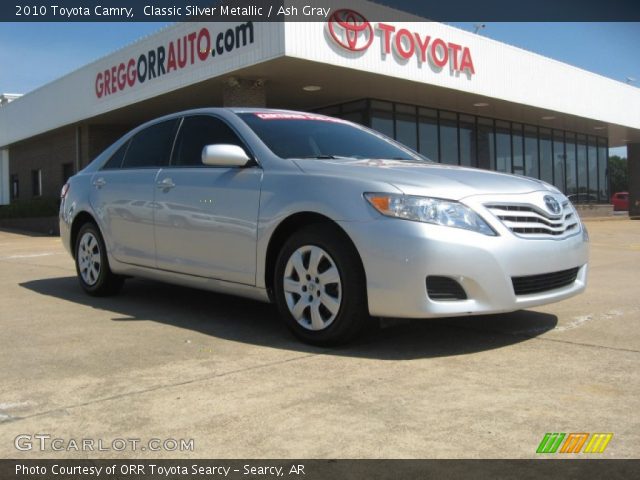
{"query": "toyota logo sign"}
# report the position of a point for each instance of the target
(350, 30)
(353, 32)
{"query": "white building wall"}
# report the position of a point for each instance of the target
(501, 71)
(72, 98)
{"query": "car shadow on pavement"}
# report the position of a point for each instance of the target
(24, 233)
(255, 323)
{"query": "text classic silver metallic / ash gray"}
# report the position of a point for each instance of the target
(329, 220)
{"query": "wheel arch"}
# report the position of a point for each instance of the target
(287, 227)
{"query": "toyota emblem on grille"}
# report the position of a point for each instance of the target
(552, 204)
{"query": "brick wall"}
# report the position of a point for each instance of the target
(47, 152)
(100, 137)
(51, 151)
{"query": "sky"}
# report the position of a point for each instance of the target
(33, 54)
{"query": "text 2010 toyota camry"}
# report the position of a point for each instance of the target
(331, 221)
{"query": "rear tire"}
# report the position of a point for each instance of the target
(320, 286)
(92, 264)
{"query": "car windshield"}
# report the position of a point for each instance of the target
(302, 135)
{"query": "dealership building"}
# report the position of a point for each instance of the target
(457, 97)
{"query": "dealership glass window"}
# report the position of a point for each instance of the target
(406, 129)
(152, 146)
(467, 130)
(357, 106)
(428, 133)
(355, 117)
(592, 162)
(531, 151)
(603, 162)
(582, 163)
(546, 156)
(36, 182)
(503, 146)
(517, 148)
(570, 164)
(448, 138)
(195, 133)
(486, 144)
(382, 117)
(333, 111)
(353, 111)
(559, 156)
(15, 187)
(381, 105)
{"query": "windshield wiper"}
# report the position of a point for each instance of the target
(404, 159)
(321, 157)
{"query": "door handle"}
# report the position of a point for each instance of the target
(166, 183)
(99, 182)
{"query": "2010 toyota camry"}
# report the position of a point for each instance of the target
(331, 221)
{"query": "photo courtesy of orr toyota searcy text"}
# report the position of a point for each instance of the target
(197, 46)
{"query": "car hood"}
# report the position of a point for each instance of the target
(431, 179)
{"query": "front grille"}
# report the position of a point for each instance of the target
(529, 221)
(544, 282)
(444, 288)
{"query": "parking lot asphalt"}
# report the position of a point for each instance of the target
(164, 362)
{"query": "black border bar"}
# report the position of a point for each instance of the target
(270, 10)
(544, 468)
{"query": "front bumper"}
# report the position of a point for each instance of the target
(398, 255)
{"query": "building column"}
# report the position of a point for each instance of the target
(244, 92)
(5, 186)
(633, 166)
(78, 160)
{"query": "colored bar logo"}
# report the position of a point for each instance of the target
(573, 442)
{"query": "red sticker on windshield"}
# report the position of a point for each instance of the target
(296, 116)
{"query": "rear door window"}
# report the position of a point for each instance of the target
(152, 146)
(116, 159)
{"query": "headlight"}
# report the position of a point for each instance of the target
(429, 210)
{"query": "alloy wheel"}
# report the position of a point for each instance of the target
(312, 287)
(89, 258)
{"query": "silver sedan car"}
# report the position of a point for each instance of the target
(331, 221)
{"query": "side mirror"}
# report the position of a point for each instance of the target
(224, 155)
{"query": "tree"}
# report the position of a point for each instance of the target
(618, 174)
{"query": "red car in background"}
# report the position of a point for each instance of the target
(620, 201)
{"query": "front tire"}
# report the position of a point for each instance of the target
(92, 264)
(320, 286)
